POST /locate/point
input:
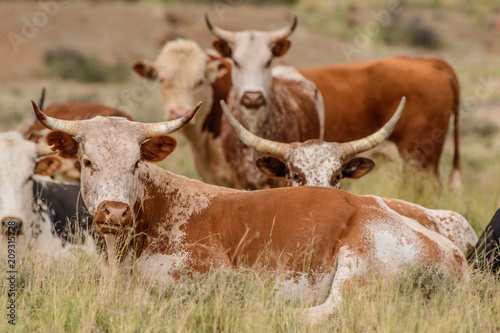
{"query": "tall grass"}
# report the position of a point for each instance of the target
(74, 296)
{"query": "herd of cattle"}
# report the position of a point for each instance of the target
(271, 168)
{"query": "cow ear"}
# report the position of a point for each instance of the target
(48, 166)
(223, 48)
(146, 69)
(63, 143)
(216, 69)
(157, 148)
(272, 166)
(280, 47)
(357, 167)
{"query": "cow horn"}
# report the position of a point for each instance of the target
(371, 141)
(260, 144)
(42, 99)
(277, 35)
(166, 127)
(66, 126)
(218, 32)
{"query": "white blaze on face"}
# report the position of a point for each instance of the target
(17, 163)
(112, 146)
(185, 79)
(315, 164)
(252, 62)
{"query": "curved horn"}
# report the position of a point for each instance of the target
(260, 144)
(276, 35)
(369, 142)
(166, 127)
(218, 32)
(66, 126)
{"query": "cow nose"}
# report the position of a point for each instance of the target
(177, 113)
(114, 214)
(12, 225)
(253, 99)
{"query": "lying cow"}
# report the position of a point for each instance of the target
(187, 74)
(486, 253)
(319, 163)
(357, 96)
(36, 212)
(173, 225)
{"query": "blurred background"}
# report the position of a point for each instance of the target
(82, 51)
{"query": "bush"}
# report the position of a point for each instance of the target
(413, 33)
(69, 64)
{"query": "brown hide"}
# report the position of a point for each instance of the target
(284, 123)
(360, 97)
(221, 87)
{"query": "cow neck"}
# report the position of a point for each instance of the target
(170, 200)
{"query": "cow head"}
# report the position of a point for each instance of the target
(19, 161)
(252, 53)
(186, 75)
(111, 151)
(314, 162)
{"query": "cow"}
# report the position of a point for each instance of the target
(36, 212)
(187, 74)
(72, 111)
(319, 163)
(357, 96)
(166, 225)
(486, 253)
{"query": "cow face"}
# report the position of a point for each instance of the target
(252, 53)
(18, 163)
(110, 151)
(186, 75)
(314, 163)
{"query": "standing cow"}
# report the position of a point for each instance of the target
(187, 74)
(319, 163)
(36, 212)
(357, 96)
(165, 225)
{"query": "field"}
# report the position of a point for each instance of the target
(107, 37)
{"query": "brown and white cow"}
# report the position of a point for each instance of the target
(180, 226)
(319, 163)
(187, 75)
(357, 96)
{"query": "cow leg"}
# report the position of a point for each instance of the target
(486, 253)
(347, 266)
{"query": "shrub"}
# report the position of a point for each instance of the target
(70, 64)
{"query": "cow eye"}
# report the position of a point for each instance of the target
(199, 83)
(87, 163)
(136, 165)
(236, 63)
(298, 179)
(268, 64)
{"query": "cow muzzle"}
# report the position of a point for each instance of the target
(11, 226)
(177, 113)
(253, 100)
(113, 217)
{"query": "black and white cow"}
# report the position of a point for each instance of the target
(37, 213)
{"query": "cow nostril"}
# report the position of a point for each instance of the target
(126, 212)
